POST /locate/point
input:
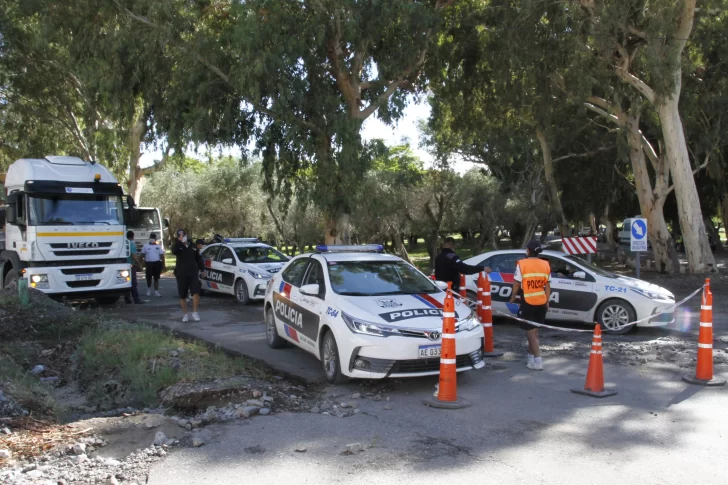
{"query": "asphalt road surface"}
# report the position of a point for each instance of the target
(523, 426)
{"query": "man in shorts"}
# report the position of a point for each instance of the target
(532, 282)
(187, 271)
(153, 256)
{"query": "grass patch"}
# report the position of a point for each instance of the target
(25, 388)
(128, 365)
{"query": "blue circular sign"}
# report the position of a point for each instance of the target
(639, 229)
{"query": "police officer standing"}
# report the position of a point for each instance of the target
(448, 266)
(533, 284)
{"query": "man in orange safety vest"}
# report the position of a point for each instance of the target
(533, 284)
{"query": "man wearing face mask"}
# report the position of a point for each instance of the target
(153, 255)
(187, 272)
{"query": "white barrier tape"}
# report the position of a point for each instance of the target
(705, 346)
(706, 324)
(669, 309)
(448, 361)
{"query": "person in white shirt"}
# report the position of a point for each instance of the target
(153, 255)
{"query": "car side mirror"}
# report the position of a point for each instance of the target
(580, 275)
(227, 261)
(441, 284)
(310, 290)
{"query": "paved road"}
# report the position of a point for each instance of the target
(524, 427)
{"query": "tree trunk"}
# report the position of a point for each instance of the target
(710, 227)
(400, 248)
(548, 171)
(652, 201)
(338, 229)
(136, 178)
(697, 248)
(528, 235)
(609, 231)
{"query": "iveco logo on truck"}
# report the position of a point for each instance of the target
(81, 245)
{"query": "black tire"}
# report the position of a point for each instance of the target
(331, 360)
(10, 279)
(613, 313)
(107, 300)
(274, 340)
(241, 292)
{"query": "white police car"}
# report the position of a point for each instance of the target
(241, 267)
(365, 314)
(580, 291)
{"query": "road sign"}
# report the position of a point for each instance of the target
(638, 241)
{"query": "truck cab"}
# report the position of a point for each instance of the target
(147, 221)
(65, 229)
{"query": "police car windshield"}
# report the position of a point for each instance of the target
(374, 278)
(594, 269)
(259, 255)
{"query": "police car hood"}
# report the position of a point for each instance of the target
(266, 267)
(644, 286)
(408, 311)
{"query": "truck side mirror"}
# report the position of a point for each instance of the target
(166, 223)
(10, 215)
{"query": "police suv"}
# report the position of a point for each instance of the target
(365, 314)
(241, 267)
(580, 292)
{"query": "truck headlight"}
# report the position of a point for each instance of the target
(123, 276)
(39, 281)
(368, 328)
(259, 276)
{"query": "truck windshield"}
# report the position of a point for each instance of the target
(148, 219)
(74, 209)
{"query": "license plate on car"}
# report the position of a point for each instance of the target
(84, 277)
(428, 351)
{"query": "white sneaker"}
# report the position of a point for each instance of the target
(530, 359)
(185, 319)
(195, 317)
(149, 292)
(157, 294)
(535, 365)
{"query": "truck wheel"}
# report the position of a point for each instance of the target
(107, 300)
(11, 279)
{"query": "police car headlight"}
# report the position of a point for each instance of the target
(653, 295)
(468, 324)
(368, 328)
(260, 276)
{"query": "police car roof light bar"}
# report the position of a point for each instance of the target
(350, 248)
(241, 239)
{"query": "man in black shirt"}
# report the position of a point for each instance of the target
(449, 267)
(187, 271)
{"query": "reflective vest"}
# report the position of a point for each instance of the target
(535, 275)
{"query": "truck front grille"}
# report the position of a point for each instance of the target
(72, 271)
(83, 284)
(83, 252)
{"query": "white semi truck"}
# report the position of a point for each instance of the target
(65, 229)
(148, 221)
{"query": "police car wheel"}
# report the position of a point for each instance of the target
(331, 360)
(241, 292)
(613, 314)
(271, 332)
(11, 279)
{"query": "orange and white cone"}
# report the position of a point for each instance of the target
(485, 314)
(594, 385)
(463, 287)
(704, 368)
(447, 395)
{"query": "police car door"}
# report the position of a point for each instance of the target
(571, 298)
(209, 255)
(292, 319)
(503, 269)
(311, 307)
(225, 267)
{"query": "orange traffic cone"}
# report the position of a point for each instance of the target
(594, 385)
(447, 395)
(704, 368)
(485, 313)
(463, 287)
